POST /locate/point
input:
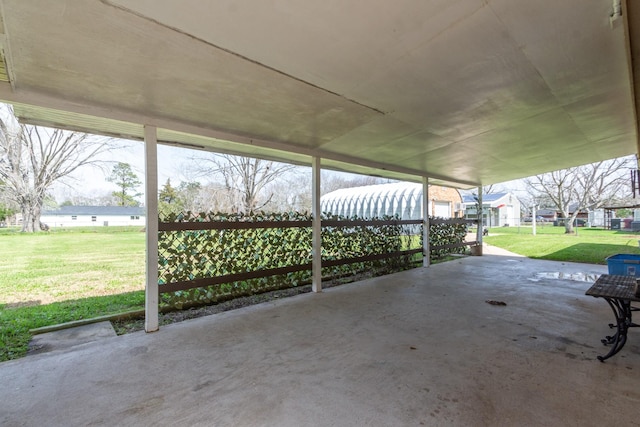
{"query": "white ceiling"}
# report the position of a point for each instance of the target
(467, 92)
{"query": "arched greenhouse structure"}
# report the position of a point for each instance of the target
(402, 198)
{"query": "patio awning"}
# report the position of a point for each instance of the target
(465, 92)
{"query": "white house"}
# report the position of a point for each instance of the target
(83, 216)
(498, 210)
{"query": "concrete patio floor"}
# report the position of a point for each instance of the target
(422, 347)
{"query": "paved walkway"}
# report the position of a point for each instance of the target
(420, 347)
(494, 250)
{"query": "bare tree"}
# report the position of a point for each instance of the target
(245, 179)
(492, 189)
(189, 196)
(207, 197)
(584, 187)
(332, 181)
(292, 193)
(33, 158)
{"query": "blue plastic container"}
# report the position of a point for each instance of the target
(624, 265)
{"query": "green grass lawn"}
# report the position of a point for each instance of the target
(66, 275)
(587, 245)
(43, 268)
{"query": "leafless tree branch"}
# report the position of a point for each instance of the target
(33, 158)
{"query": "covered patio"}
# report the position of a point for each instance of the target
(421, 347)
(459, 93)
(454, 93)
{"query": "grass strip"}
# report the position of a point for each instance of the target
(16, 322)
(586, 245)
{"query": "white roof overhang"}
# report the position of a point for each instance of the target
(467, 92)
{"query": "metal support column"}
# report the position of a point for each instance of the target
(426, 249)
(480, 215)
(151, 203)
(316, 242)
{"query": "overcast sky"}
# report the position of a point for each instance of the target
(173, 163)
(92, 180)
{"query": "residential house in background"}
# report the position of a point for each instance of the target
(103, 216)
(585, 217)
(498, 209)
(588, 217)
(547, 214)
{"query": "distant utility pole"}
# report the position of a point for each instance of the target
(534, 218)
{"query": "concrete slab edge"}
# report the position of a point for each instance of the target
(75, 323)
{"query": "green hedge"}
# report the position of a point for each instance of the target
(445, 234)
(202, 254)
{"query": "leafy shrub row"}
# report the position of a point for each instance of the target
(441, 234)
(201, 254)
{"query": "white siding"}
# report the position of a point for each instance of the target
(92, 220)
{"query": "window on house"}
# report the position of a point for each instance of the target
(94, 218)
(74, 217)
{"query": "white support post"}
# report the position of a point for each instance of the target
(534, 216)
(316, 242)
(151, 203)
(426, 247)
(480, 215)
